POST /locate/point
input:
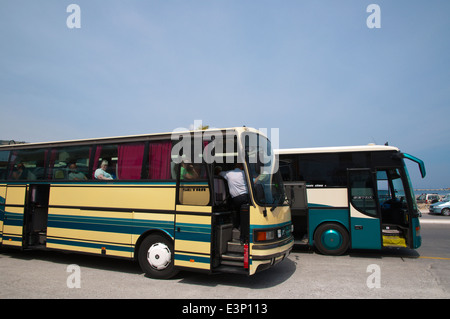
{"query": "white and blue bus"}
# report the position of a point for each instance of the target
(357, 197)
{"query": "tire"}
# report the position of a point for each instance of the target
(156, 257)
(331, 239)
(445, 212)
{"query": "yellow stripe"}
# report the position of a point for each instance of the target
(441, 258)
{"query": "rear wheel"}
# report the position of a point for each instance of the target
(446, 212)
(331, 239)
(156, 257)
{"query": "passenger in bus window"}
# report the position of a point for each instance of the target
(74, 174)
(22, 173)
(101, 173)
(188, 171)
(19, 172)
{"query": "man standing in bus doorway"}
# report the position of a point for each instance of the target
(239, 195)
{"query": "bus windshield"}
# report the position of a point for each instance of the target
(391, 190)
(265, 176)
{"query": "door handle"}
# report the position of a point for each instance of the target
(358, 227)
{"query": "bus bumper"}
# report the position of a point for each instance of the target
(265, 256)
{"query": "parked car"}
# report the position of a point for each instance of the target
(427, 198)
(441, 208)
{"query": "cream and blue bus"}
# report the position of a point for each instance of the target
(137, 197)
(356, 197)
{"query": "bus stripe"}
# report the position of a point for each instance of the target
(89, 244)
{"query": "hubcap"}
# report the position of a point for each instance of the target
(331, 239)
(159, 256)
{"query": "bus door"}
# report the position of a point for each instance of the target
(365, 224)
(36, 215)
(13, 214)
(396, 212)
(193, 218)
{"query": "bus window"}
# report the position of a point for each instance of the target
(69, 163)
(194, 188)
(27, 164)
(129, 160)
(4, 157)
(362, 194)
(159, 161)
(107, 155)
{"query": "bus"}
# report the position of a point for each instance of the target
(357, 197)
(132, 197)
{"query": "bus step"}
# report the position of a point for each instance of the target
(303, 241)
(232, 259)
(235, 247)
(236, 234)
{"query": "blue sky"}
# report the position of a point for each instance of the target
(311, 68)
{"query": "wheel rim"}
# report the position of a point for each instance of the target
(331, 239)
(159, 256)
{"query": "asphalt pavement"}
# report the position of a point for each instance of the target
(385, 274)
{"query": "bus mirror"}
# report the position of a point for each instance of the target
(418, 161)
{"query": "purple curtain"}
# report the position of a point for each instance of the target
(159, 160)
(130, 161)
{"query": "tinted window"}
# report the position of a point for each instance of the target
(4, 157)
(362, 194)
(27, 165)
(328, 169)
(69, 163)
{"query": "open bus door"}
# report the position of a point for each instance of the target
(365, 223)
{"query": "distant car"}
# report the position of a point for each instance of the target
(427, 198)
(442, 208)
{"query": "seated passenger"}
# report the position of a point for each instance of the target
(74, 174)
(188, 171)
(100, 173)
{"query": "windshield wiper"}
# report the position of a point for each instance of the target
(277, 202)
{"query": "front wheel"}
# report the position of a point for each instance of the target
(156, 257)
(331, 239)
(446, 212)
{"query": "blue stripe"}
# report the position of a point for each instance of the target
(89, 245)
(14, 219)
(112, 225)
(205, 259)
(193, 232)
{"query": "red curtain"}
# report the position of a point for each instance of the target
(130, 157)
(159, 160)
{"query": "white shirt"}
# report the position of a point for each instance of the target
(236, 182)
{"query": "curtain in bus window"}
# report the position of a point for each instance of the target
(51, 165)
(98, 151)
(159, 160)
(130, 157)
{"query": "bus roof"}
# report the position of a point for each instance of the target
(337, 149)
(121, 139)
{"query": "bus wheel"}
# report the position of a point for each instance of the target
(156, 257)
(331, 239)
